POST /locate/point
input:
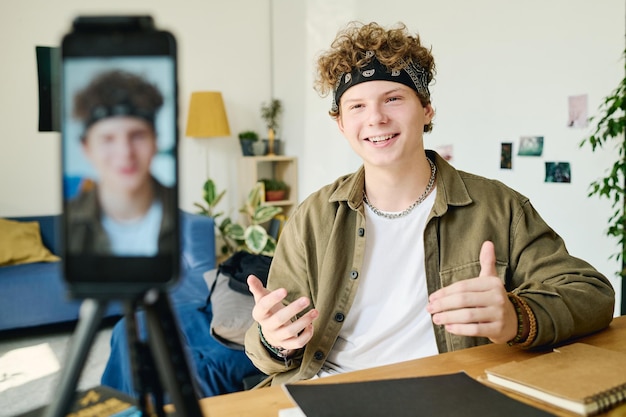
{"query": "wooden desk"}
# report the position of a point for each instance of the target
(266, 402)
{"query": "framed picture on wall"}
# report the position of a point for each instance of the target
(530, 146)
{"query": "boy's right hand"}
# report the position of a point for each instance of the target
(275, 318)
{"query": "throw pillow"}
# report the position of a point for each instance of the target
(20, 243)
(232, 312)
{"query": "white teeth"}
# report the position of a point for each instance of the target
(377, 139)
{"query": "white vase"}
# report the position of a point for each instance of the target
(259, 148)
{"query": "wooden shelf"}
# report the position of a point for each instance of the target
(280, 167)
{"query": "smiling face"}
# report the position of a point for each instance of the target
(121, 150)
(384, 123)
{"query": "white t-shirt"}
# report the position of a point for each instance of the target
(135, 238)
(388, 321)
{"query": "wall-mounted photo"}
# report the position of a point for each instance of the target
(558, 172)
(530, 146)
(506, 153)
(577, 110)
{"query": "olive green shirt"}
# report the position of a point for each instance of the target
(321, 249)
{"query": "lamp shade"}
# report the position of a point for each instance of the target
(207, 115)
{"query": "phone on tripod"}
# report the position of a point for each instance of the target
(119, 157)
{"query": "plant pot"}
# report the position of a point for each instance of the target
(275, 195)
(246, 147)
(259, 148)
(278, 148)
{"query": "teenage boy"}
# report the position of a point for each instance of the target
(409, 257)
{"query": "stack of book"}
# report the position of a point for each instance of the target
(581, 378)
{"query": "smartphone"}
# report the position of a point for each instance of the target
(119, 129)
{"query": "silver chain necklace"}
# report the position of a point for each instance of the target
(429, 188)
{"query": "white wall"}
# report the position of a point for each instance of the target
(505, 70)
(223, 46)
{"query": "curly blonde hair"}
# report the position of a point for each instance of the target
(394, 48)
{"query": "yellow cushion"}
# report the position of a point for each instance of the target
(20, 243)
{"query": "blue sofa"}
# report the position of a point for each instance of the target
(34, 295)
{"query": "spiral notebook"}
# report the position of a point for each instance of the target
(581, 378)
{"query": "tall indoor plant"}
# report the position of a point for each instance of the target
(609, 127)
(270, 113)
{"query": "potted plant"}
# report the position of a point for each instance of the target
(275, 190)
(610, 128)
(246, 140)
(251, 237)
(270, 113)
(212, 197)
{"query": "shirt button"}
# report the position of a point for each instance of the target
(318, 355)
(354, 274)
(361, 232)
(339, 317)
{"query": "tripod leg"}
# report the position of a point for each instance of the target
(135, 354)
(91, 313)
(171, 361)
(145, 378)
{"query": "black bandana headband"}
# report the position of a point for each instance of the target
(411, 75)
(122, 109)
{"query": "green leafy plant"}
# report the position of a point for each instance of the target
(212, 198)
(610, 127)
(270, 113)
(272, 184)
(250, 135)
(251, 237)
(254, 238)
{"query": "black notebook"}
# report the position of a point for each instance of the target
(441, 395)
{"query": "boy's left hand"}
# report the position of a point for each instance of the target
(477, 307)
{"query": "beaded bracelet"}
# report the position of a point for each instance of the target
(532, 322)
(520, 321)
(523, 311)
(279, 352)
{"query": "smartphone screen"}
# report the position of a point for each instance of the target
(119, 152)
